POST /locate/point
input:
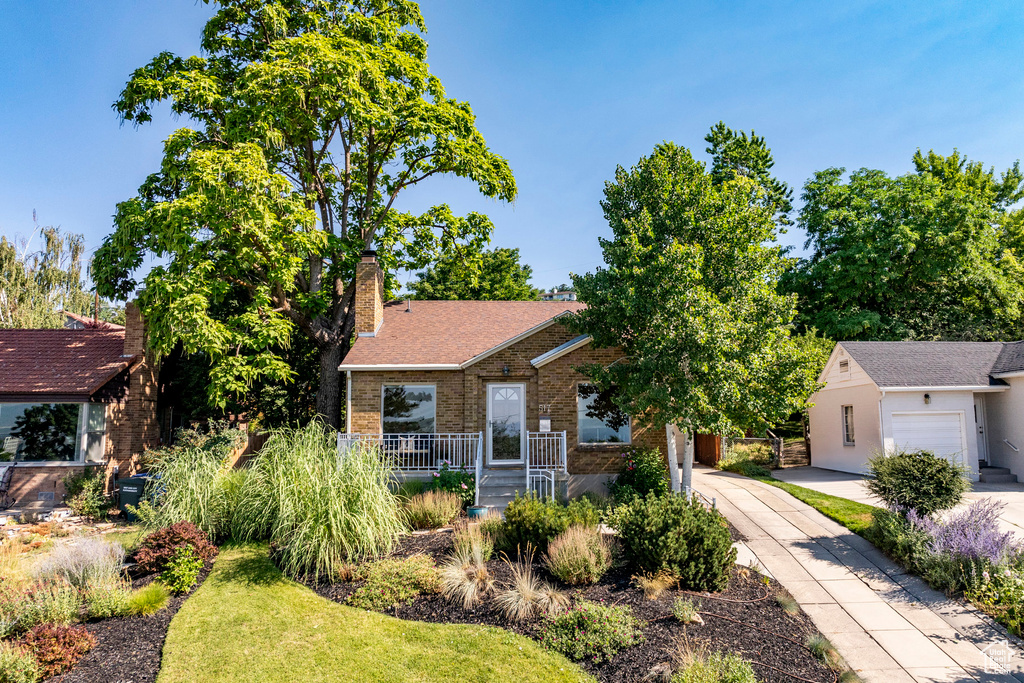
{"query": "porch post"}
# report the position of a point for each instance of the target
(479, 466)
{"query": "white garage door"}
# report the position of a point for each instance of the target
(940, 433)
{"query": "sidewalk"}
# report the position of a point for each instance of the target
(889, 626)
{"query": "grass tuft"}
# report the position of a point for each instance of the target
(788, 603)
(824, 652)
(653, 585)
(528, 596)
(432, 509)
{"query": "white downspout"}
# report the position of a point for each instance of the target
(348, 401)
(881, 423)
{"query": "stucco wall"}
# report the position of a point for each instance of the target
(1005, 417)
(825, 420)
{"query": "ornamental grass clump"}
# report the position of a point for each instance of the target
(149, 599)
(527, 596)
(591, 631)
(579, 555)
(530, 521)
(196, 482)
(472, 538)
(81, 561)
(318, 510)
(432, 509)
(464, 577)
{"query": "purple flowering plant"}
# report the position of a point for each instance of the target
(972, 533)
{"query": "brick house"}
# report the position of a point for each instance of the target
(451, 380)
(74, 398)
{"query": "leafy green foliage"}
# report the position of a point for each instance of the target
(643, 471)
(494, 275)
(1001, 595)
(679, 535)
(917, 480)
(460, 482)
(317, 513)
(591, 631)
(47, 601)
(149, 599)
(748, 459)
(310, 120)
(579, 555)
(57, 648)
(17, 665)
(182, 570)
(737, 155)
(105, 599)
(84, 493)
(432, 509)
(718, 667)
(395, 582)
(716, 354)
(932, 254)
(158, 548)
(196, 483)
(532, 523)
(685, 610)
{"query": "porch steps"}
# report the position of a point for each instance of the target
(498, 487)
(997, 475)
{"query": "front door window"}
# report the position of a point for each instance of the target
(505, 414)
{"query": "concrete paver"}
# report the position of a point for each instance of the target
(889, 626)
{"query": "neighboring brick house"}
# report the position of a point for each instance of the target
(501, 368)
(71, 399)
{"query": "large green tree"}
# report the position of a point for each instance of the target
(37, 284)
(308, 120)
(932, 254)
(689, 293)
(495, 275)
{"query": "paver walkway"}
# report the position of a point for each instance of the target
(889, 626)
(851, 486)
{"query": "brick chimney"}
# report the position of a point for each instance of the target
(369, 295)
(134, 330)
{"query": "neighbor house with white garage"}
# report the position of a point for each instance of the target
(963, 400)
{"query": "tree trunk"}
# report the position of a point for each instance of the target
(328, 396)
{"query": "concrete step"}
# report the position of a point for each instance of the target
(995, 470)
(503, 480)
(998, 478)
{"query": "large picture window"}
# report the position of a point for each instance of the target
(409, 409)
(40, 432)
(598, 419)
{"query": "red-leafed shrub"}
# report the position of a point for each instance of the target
(157, 549)
(57, 648)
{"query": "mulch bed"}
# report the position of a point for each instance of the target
(128, 649)
(745, 619)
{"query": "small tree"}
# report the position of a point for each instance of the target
(917, 480)
(495, 275)
(689, 294)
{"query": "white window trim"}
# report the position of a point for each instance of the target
(843, 425)
(80, 440)
(598, 443)
(407, 384)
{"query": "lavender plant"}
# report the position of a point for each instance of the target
(972, 533)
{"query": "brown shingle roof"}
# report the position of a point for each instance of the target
(449, 332)
(68, 363)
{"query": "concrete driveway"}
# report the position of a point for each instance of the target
(851, 487)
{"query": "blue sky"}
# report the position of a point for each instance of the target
(565, 90)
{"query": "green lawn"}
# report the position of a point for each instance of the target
(854, 516)
(248, 622)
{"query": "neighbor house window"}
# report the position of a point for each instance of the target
(598, 419)
(95, 429)
(409, 409)
(40, 432)
(848, 425)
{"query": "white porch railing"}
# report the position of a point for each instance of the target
(545, 455)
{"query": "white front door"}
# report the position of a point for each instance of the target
(506, 424)
(979, 423)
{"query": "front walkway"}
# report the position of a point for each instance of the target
(889, 626)
(851, 486)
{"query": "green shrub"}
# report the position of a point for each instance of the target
(718, 667)
(318, 513)
(591, 631)
(1001, 596)
(493, 527)
(182, 570)
(578, 555)
(748, 459)
(17, 665)
(532, 522)
(899, 539)
(679, 535)
(57, 648)
(394, 582)
(149, 599)
(106, 599)
(157, 549)
(41, 602)
(685, 610)
(196, 482)
(460, 482)
(84, 493)
(917, 480)
(644, 470)
(432, 509)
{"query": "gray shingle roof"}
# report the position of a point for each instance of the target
(933, 364)
(1011, 359)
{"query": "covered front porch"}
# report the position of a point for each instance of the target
(504, 462)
